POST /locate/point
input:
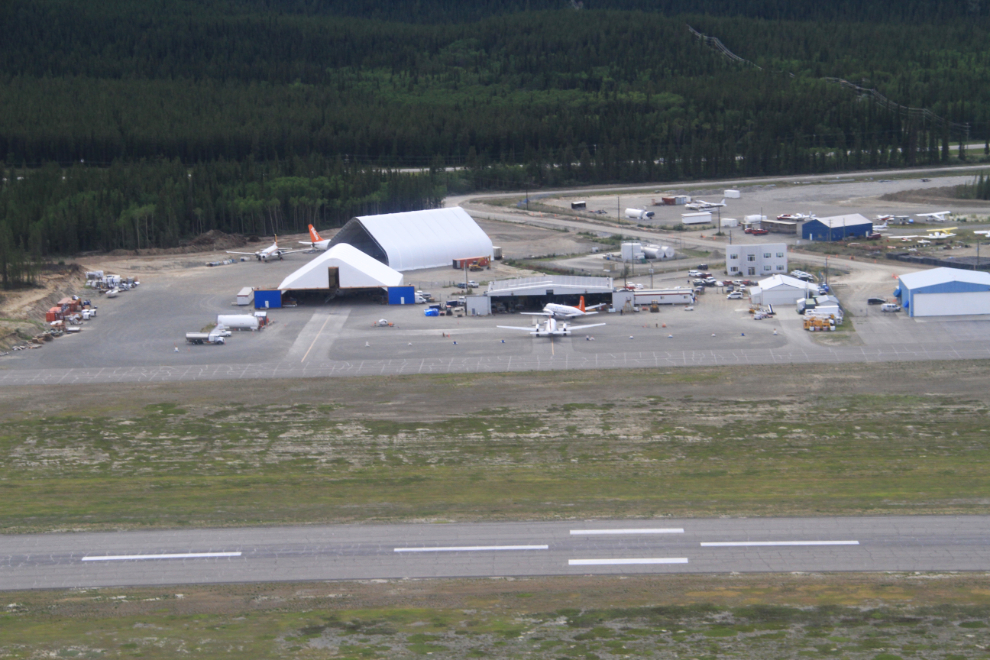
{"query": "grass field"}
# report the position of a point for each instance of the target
(360, 457)
(873, 617)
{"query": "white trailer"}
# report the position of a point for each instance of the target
(664, 297)
(700, 218)
(639, 214)
(730, 222)
(239, 321)
(731, 194)
(245, 296)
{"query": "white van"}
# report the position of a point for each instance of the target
(890, 307)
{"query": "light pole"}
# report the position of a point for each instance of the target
(651, 279)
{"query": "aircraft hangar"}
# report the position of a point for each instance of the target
(944, 292)
(341, 268)
(413, 240)
(535, 292)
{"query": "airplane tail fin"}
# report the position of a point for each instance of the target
(581, 304)
(313, 235)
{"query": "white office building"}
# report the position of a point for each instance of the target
(759, 260)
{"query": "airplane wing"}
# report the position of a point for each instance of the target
(530, 329)
(252, 254)
(584, 327)
(534, 314)
(284, 251)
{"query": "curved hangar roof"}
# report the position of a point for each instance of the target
(355, 270)
(417, 239)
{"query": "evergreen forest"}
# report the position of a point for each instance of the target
(127, 124)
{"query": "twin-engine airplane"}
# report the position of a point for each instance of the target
(566, 312)
(316, 241)
(551, 328)
(273, 251)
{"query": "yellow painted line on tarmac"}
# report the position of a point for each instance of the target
(314, 340)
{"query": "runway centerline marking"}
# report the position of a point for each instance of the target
(750, 544)
(177, 555)
(606, 532)
(475, 548)
(314, 340)
(627, 562)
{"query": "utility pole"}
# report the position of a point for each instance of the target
(618, 208)
(651, 279)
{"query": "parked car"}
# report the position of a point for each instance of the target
(875, 301)
(472, 284)
(890, 307)
(702, 266)
(694, 273)
(698, 282)
(758, 232)
(735, 295)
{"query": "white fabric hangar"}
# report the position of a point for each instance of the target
(417, 239)
(341, 267)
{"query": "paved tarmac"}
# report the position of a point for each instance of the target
(609, 359)
(352, 552)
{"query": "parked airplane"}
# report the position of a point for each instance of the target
(794, 216)
(316, 241)
(983, 232)
(550, 328)
(938, 216)
(882, 227)
(273, 251)
(565, 312)
(941, 233)
(702, 205)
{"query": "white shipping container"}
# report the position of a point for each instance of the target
(701, 218)
(730, 222)
(246, 296)
(239, 321)
(731, 194)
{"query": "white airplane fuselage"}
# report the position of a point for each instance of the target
(564, 312)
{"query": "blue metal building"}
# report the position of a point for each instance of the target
(401, 295)
(944, 292)
(836, 228)
(267, 299)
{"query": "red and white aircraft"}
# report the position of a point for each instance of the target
(315, 240)
(565, 312)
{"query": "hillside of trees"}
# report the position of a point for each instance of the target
(123, 97)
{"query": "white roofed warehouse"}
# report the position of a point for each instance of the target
(945, 292)
(417, 239)
(782, 290)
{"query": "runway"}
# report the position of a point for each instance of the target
(358, 552)
(473, 363)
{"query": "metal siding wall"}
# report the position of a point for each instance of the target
(397, 293)
(273, 298)
(956, 304)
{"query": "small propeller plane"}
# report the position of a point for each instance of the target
(273, 251)
(702, 205)
(938, 216)
(551, 328)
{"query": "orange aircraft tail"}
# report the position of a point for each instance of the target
(581, 304)
(313, 236)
